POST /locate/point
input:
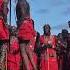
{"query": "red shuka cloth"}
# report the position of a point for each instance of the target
(4, 33)
(47, 62)
(26, 30)
(14, 59)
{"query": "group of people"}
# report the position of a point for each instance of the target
(23, 48)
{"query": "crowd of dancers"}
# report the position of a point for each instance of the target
(23, 48)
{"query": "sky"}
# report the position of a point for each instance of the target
(56, 13)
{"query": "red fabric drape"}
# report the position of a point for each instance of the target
(48, 57)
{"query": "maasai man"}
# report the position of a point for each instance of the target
(59, 53)
(4, 33)
(64, 49)
(14, 58)
(26, 34)
(48, 55)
